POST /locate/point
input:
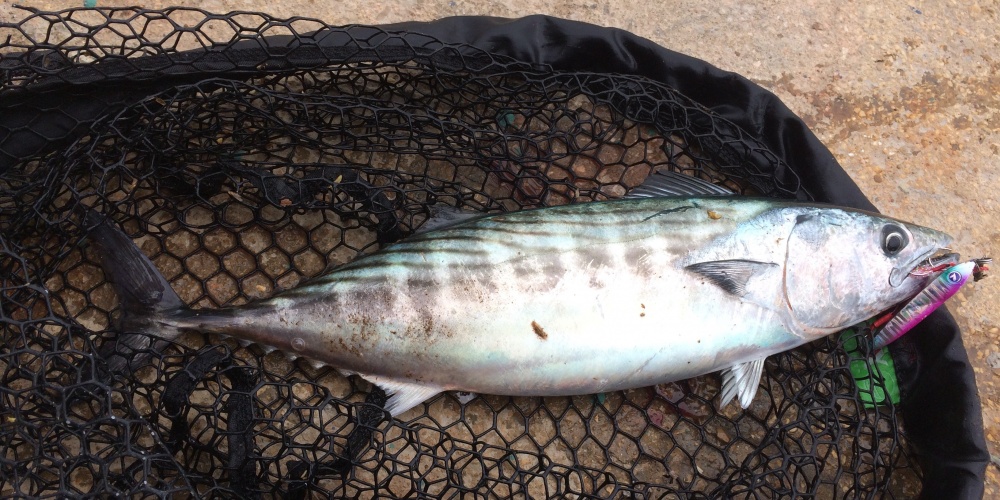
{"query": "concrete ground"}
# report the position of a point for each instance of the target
(906, 94)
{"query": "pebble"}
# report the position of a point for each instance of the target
(993, 360)
(464, 397)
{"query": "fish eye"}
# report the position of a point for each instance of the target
(894, 239)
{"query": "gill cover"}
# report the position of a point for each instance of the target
(825, 281)
(843, 267)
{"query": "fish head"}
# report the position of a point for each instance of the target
(842, 267)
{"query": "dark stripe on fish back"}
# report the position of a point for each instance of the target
(489, 241)
(556, 222)
(459, 251)
(416, 249)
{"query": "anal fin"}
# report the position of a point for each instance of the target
(741, 380)
(402, 395)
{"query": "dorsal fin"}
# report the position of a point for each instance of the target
(669, 183)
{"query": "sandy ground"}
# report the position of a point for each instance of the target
(905, 94)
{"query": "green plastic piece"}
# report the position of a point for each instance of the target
(875, 376)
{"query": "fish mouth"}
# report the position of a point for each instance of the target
(931, 262)
(939, 261)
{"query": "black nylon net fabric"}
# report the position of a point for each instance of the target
(255, 173)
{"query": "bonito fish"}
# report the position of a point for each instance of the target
(573, 299)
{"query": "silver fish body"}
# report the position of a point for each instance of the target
(584, 298)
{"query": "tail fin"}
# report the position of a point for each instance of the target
(145, 295)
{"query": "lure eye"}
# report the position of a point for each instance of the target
(894, 239)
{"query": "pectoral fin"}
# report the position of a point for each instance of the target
(732, 275)
(402, 395)
(741, 380)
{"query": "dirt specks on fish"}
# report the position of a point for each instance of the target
(539, 331)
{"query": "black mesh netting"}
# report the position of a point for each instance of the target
(245, 154)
